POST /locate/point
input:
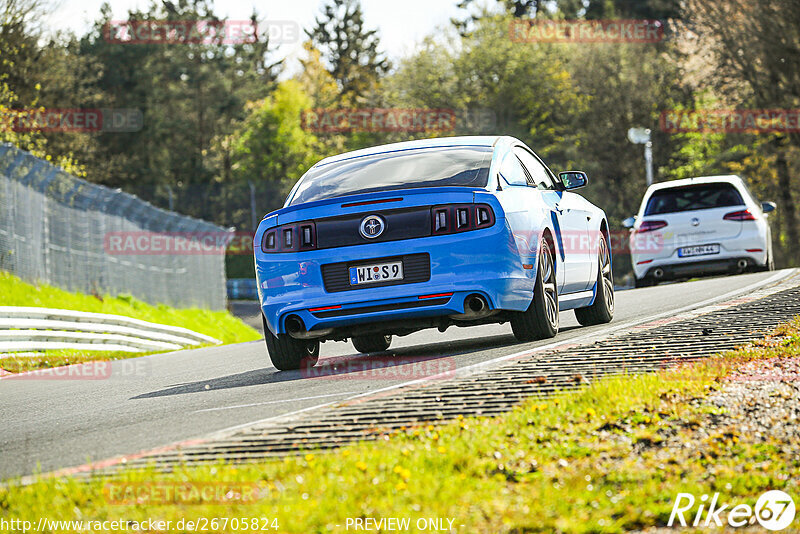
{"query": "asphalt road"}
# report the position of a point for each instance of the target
(147, 402)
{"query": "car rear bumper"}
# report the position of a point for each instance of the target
(750, 248)
(484, 262)
(698, 268)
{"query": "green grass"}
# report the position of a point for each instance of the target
(588, 461)
(217, 324)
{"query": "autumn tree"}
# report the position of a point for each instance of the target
(754, 48)
(351, 51)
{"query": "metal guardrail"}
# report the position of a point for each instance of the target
(59, 229)
(242, 289)
(36, 329)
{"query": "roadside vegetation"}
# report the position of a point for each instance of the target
(608, 458)
(217, 324)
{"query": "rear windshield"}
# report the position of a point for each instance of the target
(693, 197)
(466, 166)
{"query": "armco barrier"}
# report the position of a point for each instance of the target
(36, 329)
(242, 289)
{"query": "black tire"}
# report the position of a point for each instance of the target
(643, 282)
(540, 320)
(602, 309)
(288, 353)
(371, 343)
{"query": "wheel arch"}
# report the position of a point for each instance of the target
(547, 236)
(606, 233)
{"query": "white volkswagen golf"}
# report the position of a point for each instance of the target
(706, 225)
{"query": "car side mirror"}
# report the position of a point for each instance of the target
(767, 207)
(573, 179)
(629, 222)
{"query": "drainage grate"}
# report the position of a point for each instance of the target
(645, 348)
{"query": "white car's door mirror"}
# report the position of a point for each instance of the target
(629, 222)
(573, 179)
(767, 207)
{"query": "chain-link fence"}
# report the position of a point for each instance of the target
(55, 228)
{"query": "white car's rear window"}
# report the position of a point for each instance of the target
(693, 197)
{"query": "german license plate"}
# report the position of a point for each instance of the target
(380, 272)
(698, 250)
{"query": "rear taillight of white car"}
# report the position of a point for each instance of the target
(455, 218)
(649, 226)
(743, 215)
(296, 237)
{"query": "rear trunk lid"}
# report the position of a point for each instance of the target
(389, 215)
(377, 202)
(702, 227)
(691, 215)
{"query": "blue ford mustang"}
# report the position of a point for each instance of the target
(429, 234)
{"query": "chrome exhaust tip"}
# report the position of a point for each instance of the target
(475, 304)
(742, 264)
(475, 307)
(296, 329)
(658, 273)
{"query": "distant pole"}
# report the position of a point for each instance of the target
(648, 159)
(253, 216)
(641, 136)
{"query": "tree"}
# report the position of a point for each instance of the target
(526, 88)
(754, 46)
(192, 96)
(271, 145)
(352, 51)
(29, 73)
(571, 9)
(315, 79)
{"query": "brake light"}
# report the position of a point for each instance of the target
(454, 218)
(295, 237)
(649, 226)
(434, 296)
(743, 215)
(325, 308)
(368, 202)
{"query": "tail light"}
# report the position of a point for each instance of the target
(454, 218)
(649, 226)
(743, 215)
(295, 237)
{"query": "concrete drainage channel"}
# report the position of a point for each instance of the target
(683, 337)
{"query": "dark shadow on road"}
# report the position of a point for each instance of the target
(407, 363)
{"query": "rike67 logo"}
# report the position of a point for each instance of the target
(774, 511)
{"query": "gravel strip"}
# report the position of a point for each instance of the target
(759, 402)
